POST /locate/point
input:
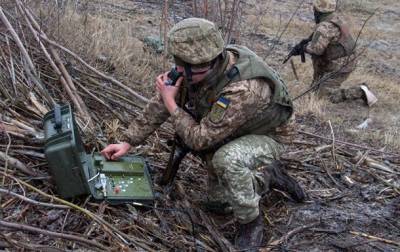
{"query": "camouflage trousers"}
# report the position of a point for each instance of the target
(235, 174)
(331, 88)
(330, 85)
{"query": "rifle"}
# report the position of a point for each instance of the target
(299, 50)
(178, 152)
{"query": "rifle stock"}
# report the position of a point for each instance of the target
(177, 154)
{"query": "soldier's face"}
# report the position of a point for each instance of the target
(198, 74)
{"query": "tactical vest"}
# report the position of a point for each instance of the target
(345, 46)
(250, 66)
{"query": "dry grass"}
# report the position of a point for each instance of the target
(111, 41)
(311, 105)
(386, 88)
(392, 138)
(106, 42)
(385, 113)
(359, 6)
(268, 24)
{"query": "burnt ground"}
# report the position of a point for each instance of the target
(352, 181)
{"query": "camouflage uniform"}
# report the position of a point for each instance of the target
(233, 166)
(332, 50)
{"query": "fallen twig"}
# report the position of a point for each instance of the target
(107, 226)
(333, 144)
(17, 164)
(349, 144)
(223, 244)
(17, 226)
(375, 238)
(288, 235)
(21, 197)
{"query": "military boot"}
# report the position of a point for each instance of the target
(250, 235)
(278, 178)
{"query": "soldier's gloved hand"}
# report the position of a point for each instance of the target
(115, 151)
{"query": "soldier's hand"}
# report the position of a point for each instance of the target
(115, 151)
(297, 50)
(167, 92)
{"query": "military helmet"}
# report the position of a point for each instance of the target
(325, 6)
(195, 41)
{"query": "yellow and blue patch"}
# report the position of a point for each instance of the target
(223, 102)
(218, 110)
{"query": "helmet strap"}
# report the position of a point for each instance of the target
(188, 72)
(217, 71)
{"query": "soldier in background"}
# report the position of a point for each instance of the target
(234, 105)
(332, 49)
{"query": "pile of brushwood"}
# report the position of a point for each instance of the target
(353, 190)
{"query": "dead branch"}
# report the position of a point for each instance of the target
(29, 246)
(288, 235)
(333, 144)
(22, 227)
(24, 52)
(349, 144)
(31, 201)
(223, 244)
(13, 162)
(106, 225)
(234, 11)
(17, 40)
(375, 238)
(164, 28)
(58, 66)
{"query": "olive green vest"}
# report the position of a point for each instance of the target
(345, 46)
(250, 66)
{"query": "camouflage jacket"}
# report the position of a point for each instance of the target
(327, 35)
(246, 98)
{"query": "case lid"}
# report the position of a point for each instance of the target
(65, 152)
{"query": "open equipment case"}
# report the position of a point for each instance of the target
(77, 173)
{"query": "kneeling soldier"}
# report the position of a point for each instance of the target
(234, 104)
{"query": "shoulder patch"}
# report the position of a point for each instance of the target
(223, 102)
(315, 38)
(218, 109)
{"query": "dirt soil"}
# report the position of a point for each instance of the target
(351, 205)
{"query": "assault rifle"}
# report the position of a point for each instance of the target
(299, 50)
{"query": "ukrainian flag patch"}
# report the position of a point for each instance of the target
(218, 110)
(223, 102)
